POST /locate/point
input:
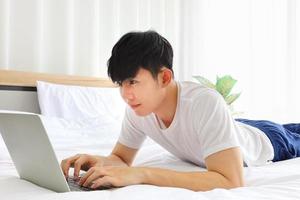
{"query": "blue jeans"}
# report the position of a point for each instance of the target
(285, 138)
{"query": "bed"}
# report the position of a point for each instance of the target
(18, 92)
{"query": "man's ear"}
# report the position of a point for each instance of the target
(166, 76)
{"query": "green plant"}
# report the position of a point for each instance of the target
(223, 85)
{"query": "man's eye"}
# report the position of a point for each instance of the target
(132, 82)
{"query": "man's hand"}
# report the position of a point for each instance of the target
(111, 176)
(120, 156)
(80, 161)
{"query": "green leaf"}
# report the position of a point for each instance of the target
(231, 98)
(205, 81)
(225, 84)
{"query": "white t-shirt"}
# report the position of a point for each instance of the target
(202, 125)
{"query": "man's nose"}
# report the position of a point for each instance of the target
(127, 94)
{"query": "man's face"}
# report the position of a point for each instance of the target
(143, 93)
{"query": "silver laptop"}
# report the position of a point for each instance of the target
(32, 153)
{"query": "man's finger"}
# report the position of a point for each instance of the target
(66, 164)
(77, 165)
(92, 174)
(85, 176)
(91, 178)
(106, 181)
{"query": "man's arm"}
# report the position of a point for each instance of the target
(225, 170)
(122, 154)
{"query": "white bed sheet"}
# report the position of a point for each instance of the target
(279, 180)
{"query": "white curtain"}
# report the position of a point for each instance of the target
(75, 36)
(257, 42)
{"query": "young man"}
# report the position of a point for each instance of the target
(190, 121)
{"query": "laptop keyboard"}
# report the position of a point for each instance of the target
(74, 186)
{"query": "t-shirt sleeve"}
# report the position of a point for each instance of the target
(131, 132)
(214, 124)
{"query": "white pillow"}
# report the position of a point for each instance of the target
(78, 102)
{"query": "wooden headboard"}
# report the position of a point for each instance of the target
(18, 89)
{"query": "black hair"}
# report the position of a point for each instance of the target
(135, 50)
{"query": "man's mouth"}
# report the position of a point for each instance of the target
(135, 106)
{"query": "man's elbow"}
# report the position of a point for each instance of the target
(236, 183)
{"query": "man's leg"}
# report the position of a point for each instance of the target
(284, 138)
(293, 127)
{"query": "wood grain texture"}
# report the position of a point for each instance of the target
(20, 78)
